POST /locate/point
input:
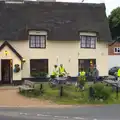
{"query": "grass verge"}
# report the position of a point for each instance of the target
(70, 95)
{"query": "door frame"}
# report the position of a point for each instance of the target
(10, 70)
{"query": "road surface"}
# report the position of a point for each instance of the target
(111, 112)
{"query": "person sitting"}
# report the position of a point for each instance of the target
(55, 72)
(62, 71)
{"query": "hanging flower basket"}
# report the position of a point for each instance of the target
(16, 68)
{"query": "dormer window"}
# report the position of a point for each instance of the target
(88, 40)
(37, 39)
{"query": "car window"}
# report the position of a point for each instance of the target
(113, 68)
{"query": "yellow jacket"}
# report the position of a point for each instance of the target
(118, 72)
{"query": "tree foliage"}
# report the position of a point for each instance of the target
(114, 22)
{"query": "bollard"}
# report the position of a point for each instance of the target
(91, 92)
(61, 91)
(41, 88)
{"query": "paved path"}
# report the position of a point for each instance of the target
(75, 113)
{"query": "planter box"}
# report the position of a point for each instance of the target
(89, 78)
(39, 79)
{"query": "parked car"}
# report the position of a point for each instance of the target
(113, 70)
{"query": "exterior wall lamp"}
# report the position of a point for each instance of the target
(6, 52)
(69, 58)
(22, 62)
(78, 54)
(57, 59)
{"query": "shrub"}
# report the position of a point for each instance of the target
(39, 74)
(101, 91)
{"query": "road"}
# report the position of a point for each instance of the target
(111, 112)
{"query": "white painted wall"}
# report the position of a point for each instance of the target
(113, 60)
(63, 50)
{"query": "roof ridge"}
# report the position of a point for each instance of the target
(53, 2)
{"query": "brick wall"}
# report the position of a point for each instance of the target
(111, 49)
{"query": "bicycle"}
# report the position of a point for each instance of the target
(56, 81)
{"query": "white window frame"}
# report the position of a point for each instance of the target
(35, 33)
(89, 35)
(118, 50)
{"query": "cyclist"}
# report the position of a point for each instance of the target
(62, 71)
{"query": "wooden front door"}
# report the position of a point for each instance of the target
(6, 71)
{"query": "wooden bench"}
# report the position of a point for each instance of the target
(27, 86)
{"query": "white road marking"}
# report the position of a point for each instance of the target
(43, 115)
(23, 113)
(64, 117)
(57, 116)
(94, 119)
(78, 118)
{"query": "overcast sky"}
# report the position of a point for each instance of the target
(110, 4)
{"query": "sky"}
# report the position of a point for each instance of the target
(110, 4)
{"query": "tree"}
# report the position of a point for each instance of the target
(114, 23)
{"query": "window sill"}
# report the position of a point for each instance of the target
(37, 48)
(86, 48)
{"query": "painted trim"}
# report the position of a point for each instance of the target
(85, 42)
(35, 32)
(14, 51)
(35, 46)
(118, 49)
(88, 33)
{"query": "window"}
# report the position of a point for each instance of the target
(88, 41)
(38, 66)
(37, 39)
(85, 64)
(117, 50)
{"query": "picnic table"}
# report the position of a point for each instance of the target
(113, 83)
(61, 80)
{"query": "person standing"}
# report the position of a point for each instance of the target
(81, 78)
(95, 74)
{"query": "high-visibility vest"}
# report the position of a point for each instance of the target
(82, 73)
(61, 69)
(118, 73)
(55, 71)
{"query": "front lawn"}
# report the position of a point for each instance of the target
(71, 96)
